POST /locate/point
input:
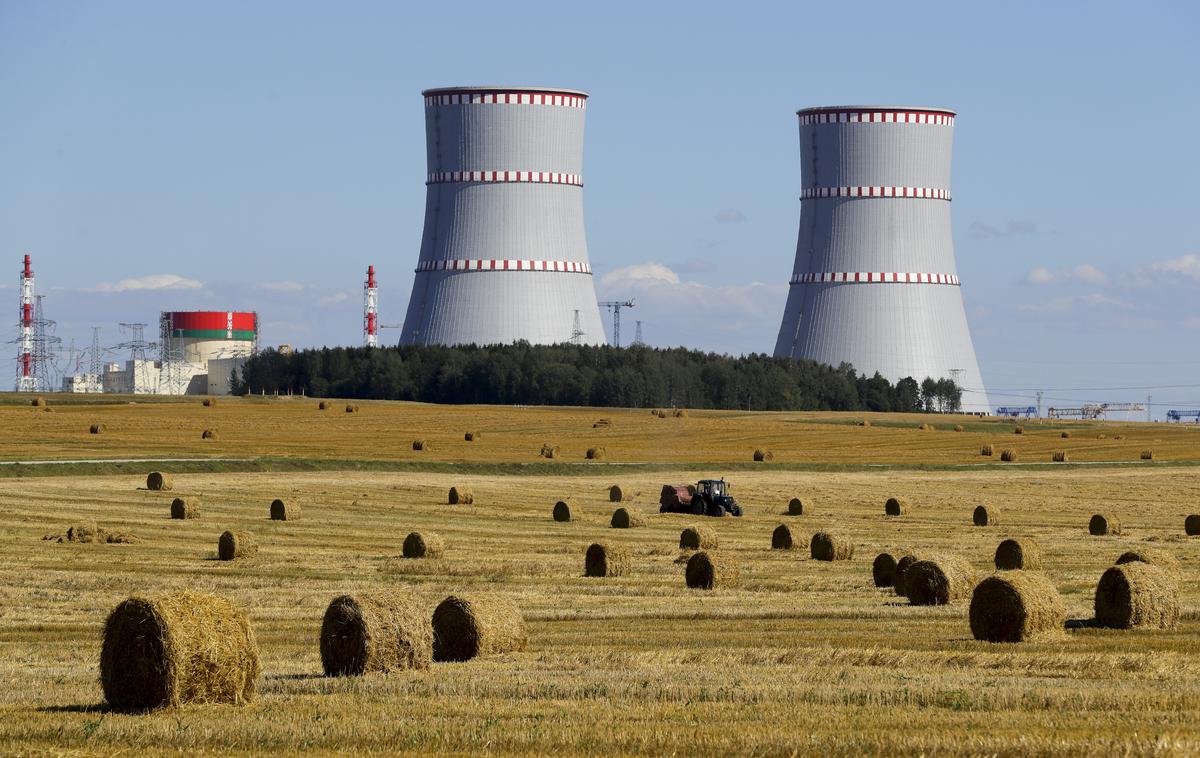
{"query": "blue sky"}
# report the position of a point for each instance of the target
(260, 155)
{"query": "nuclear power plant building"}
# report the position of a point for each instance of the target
(503, 254)
(875, 282)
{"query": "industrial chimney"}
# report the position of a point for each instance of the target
(504, 255)
(874, 283)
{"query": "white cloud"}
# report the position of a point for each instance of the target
(730, 216)
(281, 286)
(640, 273)
(1185, 265)
(1192, 323)
(1084, 273)
(983, 231)
(148, 283)
(337, 297)
(1069, 303)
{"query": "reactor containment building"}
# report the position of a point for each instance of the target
(503, 254)
(875, 282)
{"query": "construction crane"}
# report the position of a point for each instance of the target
(1014, 411)
(1181, 415)
(1093, 411)
(615, 306)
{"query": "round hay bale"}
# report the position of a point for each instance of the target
(324, 405)
(681, 413)
(421, 445)
(1137, 595)
(865, 423)
(1147, 455)
(285, 510)
(1104, 523)
(461, 495)
(616, 494)
(1017, 554)
(830, 547)
(698, 538)
(185, 508)
(549, 451)
(96, 429)
(171, 649)
(233, 545)
(606, 559)
(159, 480)
(1059, 456)
(424, 545)
(623, 518)
(883, 570)
(939, 580)
(595, 453)
(926, 427)
(1019, 430)
(468, 627)
(1191, 525)
(351, 407)
(896, 506)
(706, 571)
(986, 450)
(565, 510)
(209, 402)
(958, 427)
(762, 456)
(38, 402)
(783, 538)
(472, 436)
(903, 564)
(1152, 555)
(1008, 455)
(1065, 435)
(1017, 606)
(381, 630)
(796, 507)
(662, 414)
(655, 412)
(986, 515)
(208, 434)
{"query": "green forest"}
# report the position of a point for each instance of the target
(631, 377)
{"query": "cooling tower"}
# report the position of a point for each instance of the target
(503, 255)
(874, 283)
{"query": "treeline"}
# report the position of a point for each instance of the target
(636, 377)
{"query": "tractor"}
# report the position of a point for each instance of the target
(710, 497)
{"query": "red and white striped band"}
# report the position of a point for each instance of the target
(932, 193)
(877, 117)
(536, 177)
(867, 277)
(506, 98)
(566, 267)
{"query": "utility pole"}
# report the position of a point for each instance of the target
(1149, 409)
(576, 330)
(615, 306)
(637, 337)
(1039, 396)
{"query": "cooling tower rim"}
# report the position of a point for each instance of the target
(890, 108)
(498, 88)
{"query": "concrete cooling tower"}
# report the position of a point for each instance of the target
(504, 255)
(874, 283)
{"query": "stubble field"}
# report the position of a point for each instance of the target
(803, 657)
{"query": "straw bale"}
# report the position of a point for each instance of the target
(159, 480)
(379, 630)
(1015, 554)
(883, 570)
(896, 506)
(284, 510)
(461, 494)
(1152, 555)
(830, 547)
(623, 518)
(471, 626)
(797, 507)
(939, 580)
(1017, 606)
(171, 649)
(762, 456)
(1137, 595)
(1104, 523)
(424, 545)
(986, 515)
(606, 559)
(185, 508)
(698, 538)
(784, 538)
(566, 510)
(707, 570)
(233, 545)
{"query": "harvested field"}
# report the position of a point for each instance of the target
(801, 656)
